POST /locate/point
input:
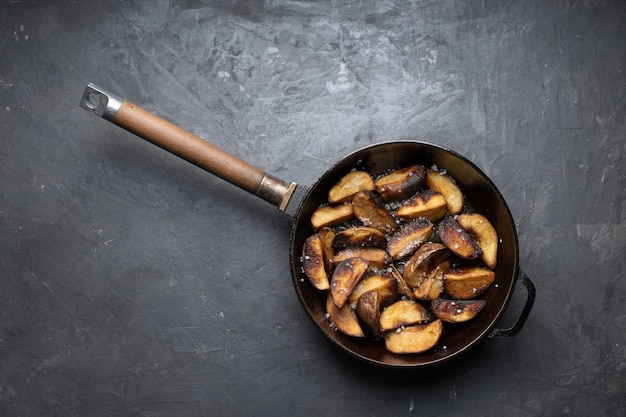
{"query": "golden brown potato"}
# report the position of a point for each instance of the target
(332, 215)
(349, 185)
(467, 282)
(409, 237)
(327, 235)
(344, 318)
(360, 236)
(423, 262)
(445, 184)
(428, 204)
(486, 236)
(432, 287)
(401, 183)
(368, 310)
(377, 258)
(313, 262)
(456, 311)
(403, 313)
(414, 339)
(370, 210)
(385, 285)
(461, 243)
(346, 275)
(403, 288)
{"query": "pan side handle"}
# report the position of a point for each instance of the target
(530, 300)
(187, 146)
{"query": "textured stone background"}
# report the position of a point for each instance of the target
(137, 285)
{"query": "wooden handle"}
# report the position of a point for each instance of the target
(188, 146)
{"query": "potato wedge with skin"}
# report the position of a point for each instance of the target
(328, 216)
(467, 282)
(403, 313)
(313, 262)
(456, 311)
(377, 258)
(345, 276)
(385, 285)
(414, 339)
(401, 183)
(461, 243)
(360, 236)
(349, 185)
(403, 288)
(428, 204)
(485, 234)
(370, 210)
(368, 310)
(409, 238)
(432, 287)
(423, 262)
(327, 235)
(444, 184)
(344, 319)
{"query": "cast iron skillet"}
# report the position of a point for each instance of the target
(300, 202)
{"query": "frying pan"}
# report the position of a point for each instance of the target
(299, 202)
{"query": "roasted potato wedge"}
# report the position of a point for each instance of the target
(445, 184)
(368, 310)
(330, 215)
(403, 313)
(349, 185)
(313, 262)
(403, 288)
(370, 210)
(385, 285)
(428, 204)
(456, 311)
(467, 282)
(485, 235)
(327, 235)
(344, 318)
(409, 237)
(423, 262)
(401, 183)
(377, 258)
(346, 275)
(360, 236)
(414, 339)
(432, 287)
(461, 243)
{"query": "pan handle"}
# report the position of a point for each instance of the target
(530, 300)
(187, 146)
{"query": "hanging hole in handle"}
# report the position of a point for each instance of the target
(93, 100)
(525, 310)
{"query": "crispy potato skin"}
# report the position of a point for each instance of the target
(423, 262)
(313, 262)
(467, 282)
(362, 236)
(428, 204)
(344, 318)
(403, 313)
(346, 275)
(327, 235)
(477, 226)
(385, 285)
(377, 258)
(461, 243)
(456, 311)
(414, 339)
(432, 287)
(401, 183)
(409, 238)
(349, 185)
(368, 310)
(370, 210)
(328, 216)
(444, 184)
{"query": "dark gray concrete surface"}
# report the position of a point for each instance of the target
(134, 284)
